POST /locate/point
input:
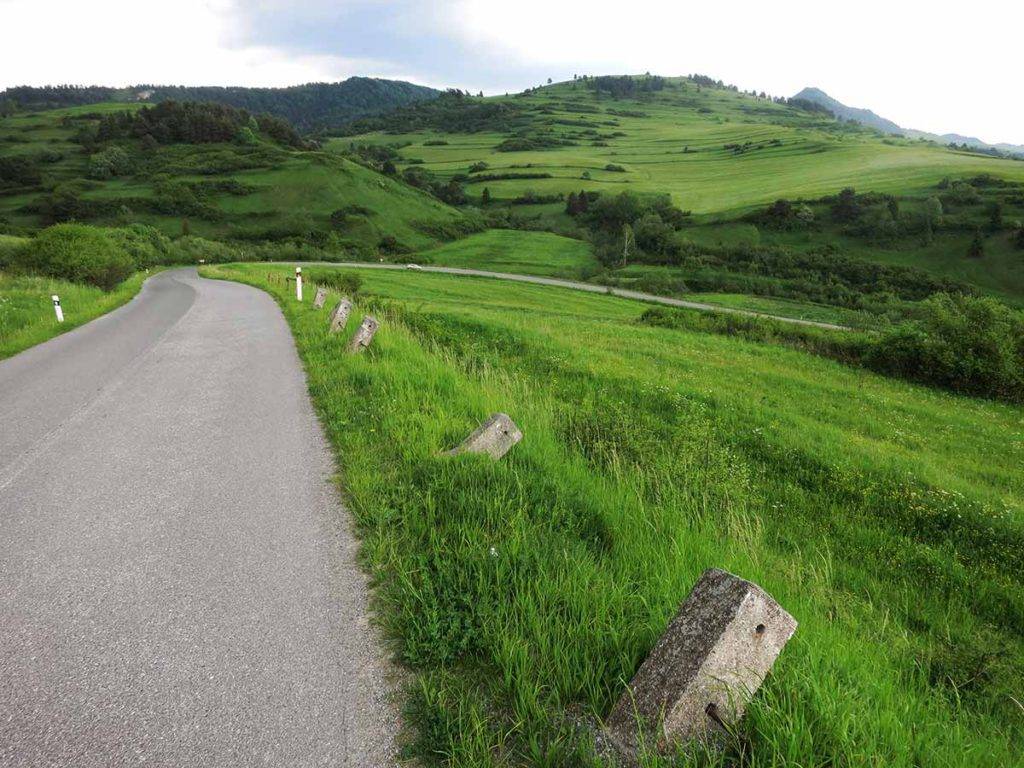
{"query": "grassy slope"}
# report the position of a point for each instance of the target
(26, 310)
(521, 589)
(814, 158)
(811, 161)
(294, 190)
(528, 253)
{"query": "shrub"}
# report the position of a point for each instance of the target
(19, 171)
(967, 344)
(147, 246)
(347, 283)
(76, 252)
(391, 245)
(111, 162)
(614, 168)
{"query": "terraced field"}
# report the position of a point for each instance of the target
(791, 154)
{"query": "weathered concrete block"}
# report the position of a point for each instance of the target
(703, 671)
(320, 298)
(364, 334)
(339, 315)
(494, 437)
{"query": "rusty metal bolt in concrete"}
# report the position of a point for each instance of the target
(705, 668)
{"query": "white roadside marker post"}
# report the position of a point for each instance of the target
(57, 309)
(298, 283)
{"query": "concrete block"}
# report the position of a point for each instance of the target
(320, 298)
(704, 670)
(364, 334)
(494, 437)
(339, 315)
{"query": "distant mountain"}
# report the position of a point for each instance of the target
(843, 112)
(870, 119)
(311, 107)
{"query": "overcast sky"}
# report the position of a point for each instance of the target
(910, 61)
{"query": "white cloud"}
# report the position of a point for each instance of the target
(913, 62)
(120, 42)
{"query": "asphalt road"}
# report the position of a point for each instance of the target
(622, 293)
(178, 579)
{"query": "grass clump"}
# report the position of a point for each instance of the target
(26, 310)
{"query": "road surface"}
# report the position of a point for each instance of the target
(178, 580)
(622, 293)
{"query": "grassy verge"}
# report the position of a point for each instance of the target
(26, 310)
(523, 594)
(526, 253)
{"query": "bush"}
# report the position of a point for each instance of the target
(111, 162)
(346, 283)
(76, 252)
(967, 344)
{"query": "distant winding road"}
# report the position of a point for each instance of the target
(178, 580)
(575, 285)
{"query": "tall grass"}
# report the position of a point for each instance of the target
(26, 309)
(524, 593)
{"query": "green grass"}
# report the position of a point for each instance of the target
(792, 155)
(522, 594)
(801, 310)
(26, 309)
(813, 158)
(291, 193)
(528, 253)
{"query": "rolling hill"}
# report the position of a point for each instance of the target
(55, 167)
(311, 107)
(724, 157)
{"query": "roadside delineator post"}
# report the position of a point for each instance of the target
(56, 308)
(364, 334)
(495, 437)
(339, 315)
(320, 298)
(298, 283)
(705, 668)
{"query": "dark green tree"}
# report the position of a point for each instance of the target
(485, 197)
(977, 247)
(846, 208)
(995, 215)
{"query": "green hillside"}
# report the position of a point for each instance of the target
(523, 593)
(310, 107)
(54, 167)
(724, 157)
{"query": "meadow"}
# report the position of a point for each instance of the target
(522, 594)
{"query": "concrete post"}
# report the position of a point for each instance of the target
(495, 437)
(364, 334)
(56, 308)
(339, 315)
(704, 670)
(320, 298)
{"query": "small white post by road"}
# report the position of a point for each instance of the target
(56, 308)
(298, 283)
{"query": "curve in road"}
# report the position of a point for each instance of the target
(178, 579)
